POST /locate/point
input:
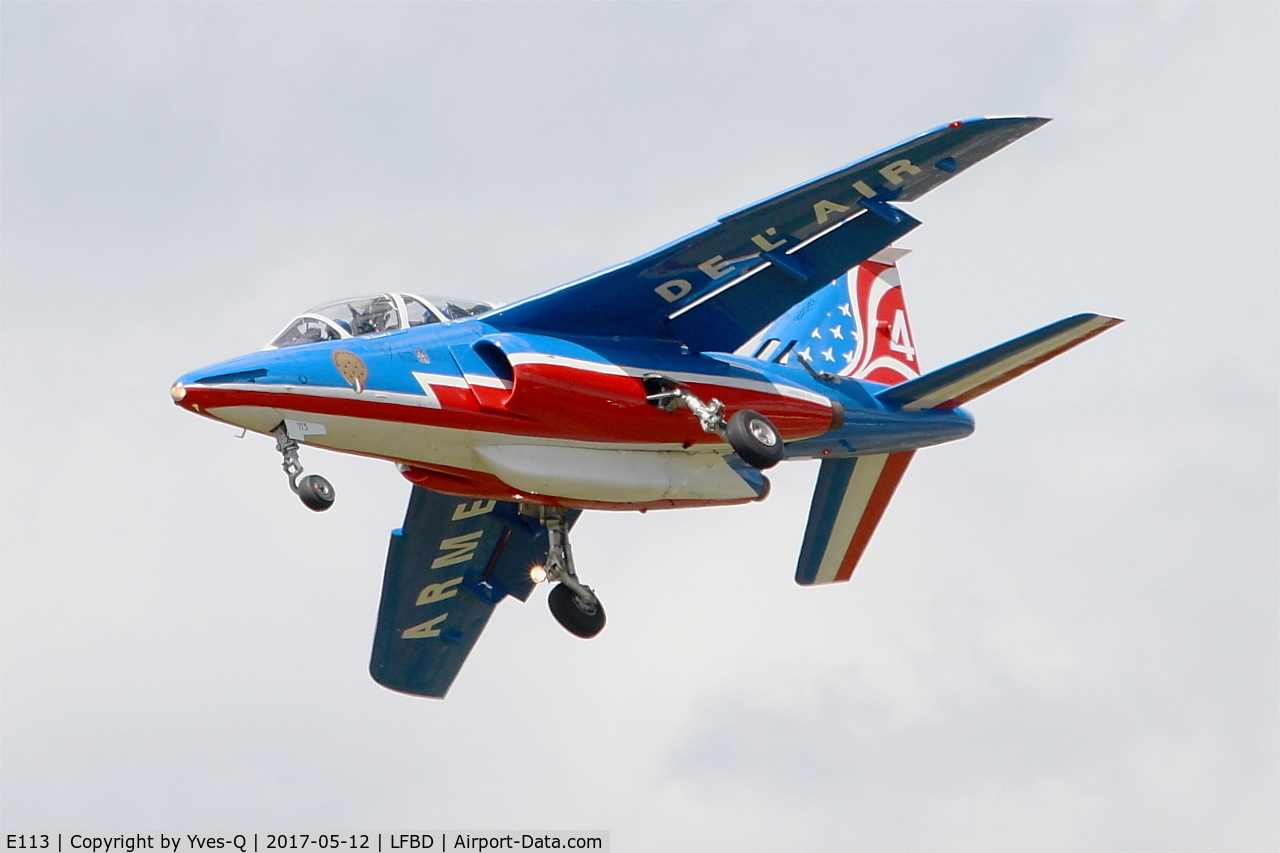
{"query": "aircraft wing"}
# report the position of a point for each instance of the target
(447, 568)
(715, 288)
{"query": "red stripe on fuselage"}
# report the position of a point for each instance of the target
(547, 401)
(568, 397)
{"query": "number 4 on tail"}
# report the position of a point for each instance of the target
(900, 338)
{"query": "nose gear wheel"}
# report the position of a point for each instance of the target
(315, 492)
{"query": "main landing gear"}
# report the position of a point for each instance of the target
(315, 492)
(751, 435)
(572, 602)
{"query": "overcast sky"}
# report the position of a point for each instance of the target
(1063, 637)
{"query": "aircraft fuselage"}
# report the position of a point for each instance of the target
(464, 408)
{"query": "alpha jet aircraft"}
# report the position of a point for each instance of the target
(673, 380)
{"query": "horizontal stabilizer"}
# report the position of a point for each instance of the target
(848, 502)
(958, 383)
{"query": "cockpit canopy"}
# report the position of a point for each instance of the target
(366, 315)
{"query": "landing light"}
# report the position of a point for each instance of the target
(177, 392)
(538, 574)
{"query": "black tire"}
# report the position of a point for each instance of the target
(755, 439)
(568, 610)
(316, 492)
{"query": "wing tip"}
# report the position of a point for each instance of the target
(405, 687)
(1036, 120)
(1089, 317)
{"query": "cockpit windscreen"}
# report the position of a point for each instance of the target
(368, 315)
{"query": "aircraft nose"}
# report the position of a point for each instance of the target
(185, 390)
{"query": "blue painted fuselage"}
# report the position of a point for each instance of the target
(463, 354)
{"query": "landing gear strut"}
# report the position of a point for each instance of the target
(751, 435)
(315, 492)
(573, 603)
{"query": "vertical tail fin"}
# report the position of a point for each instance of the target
(855, 326)
(888, 351)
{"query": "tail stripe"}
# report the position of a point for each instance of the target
(848, 503)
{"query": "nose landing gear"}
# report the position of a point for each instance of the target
(573, 603)
(315, 492)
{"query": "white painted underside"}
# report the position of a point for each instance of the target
(619, 476)
(595, 471)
